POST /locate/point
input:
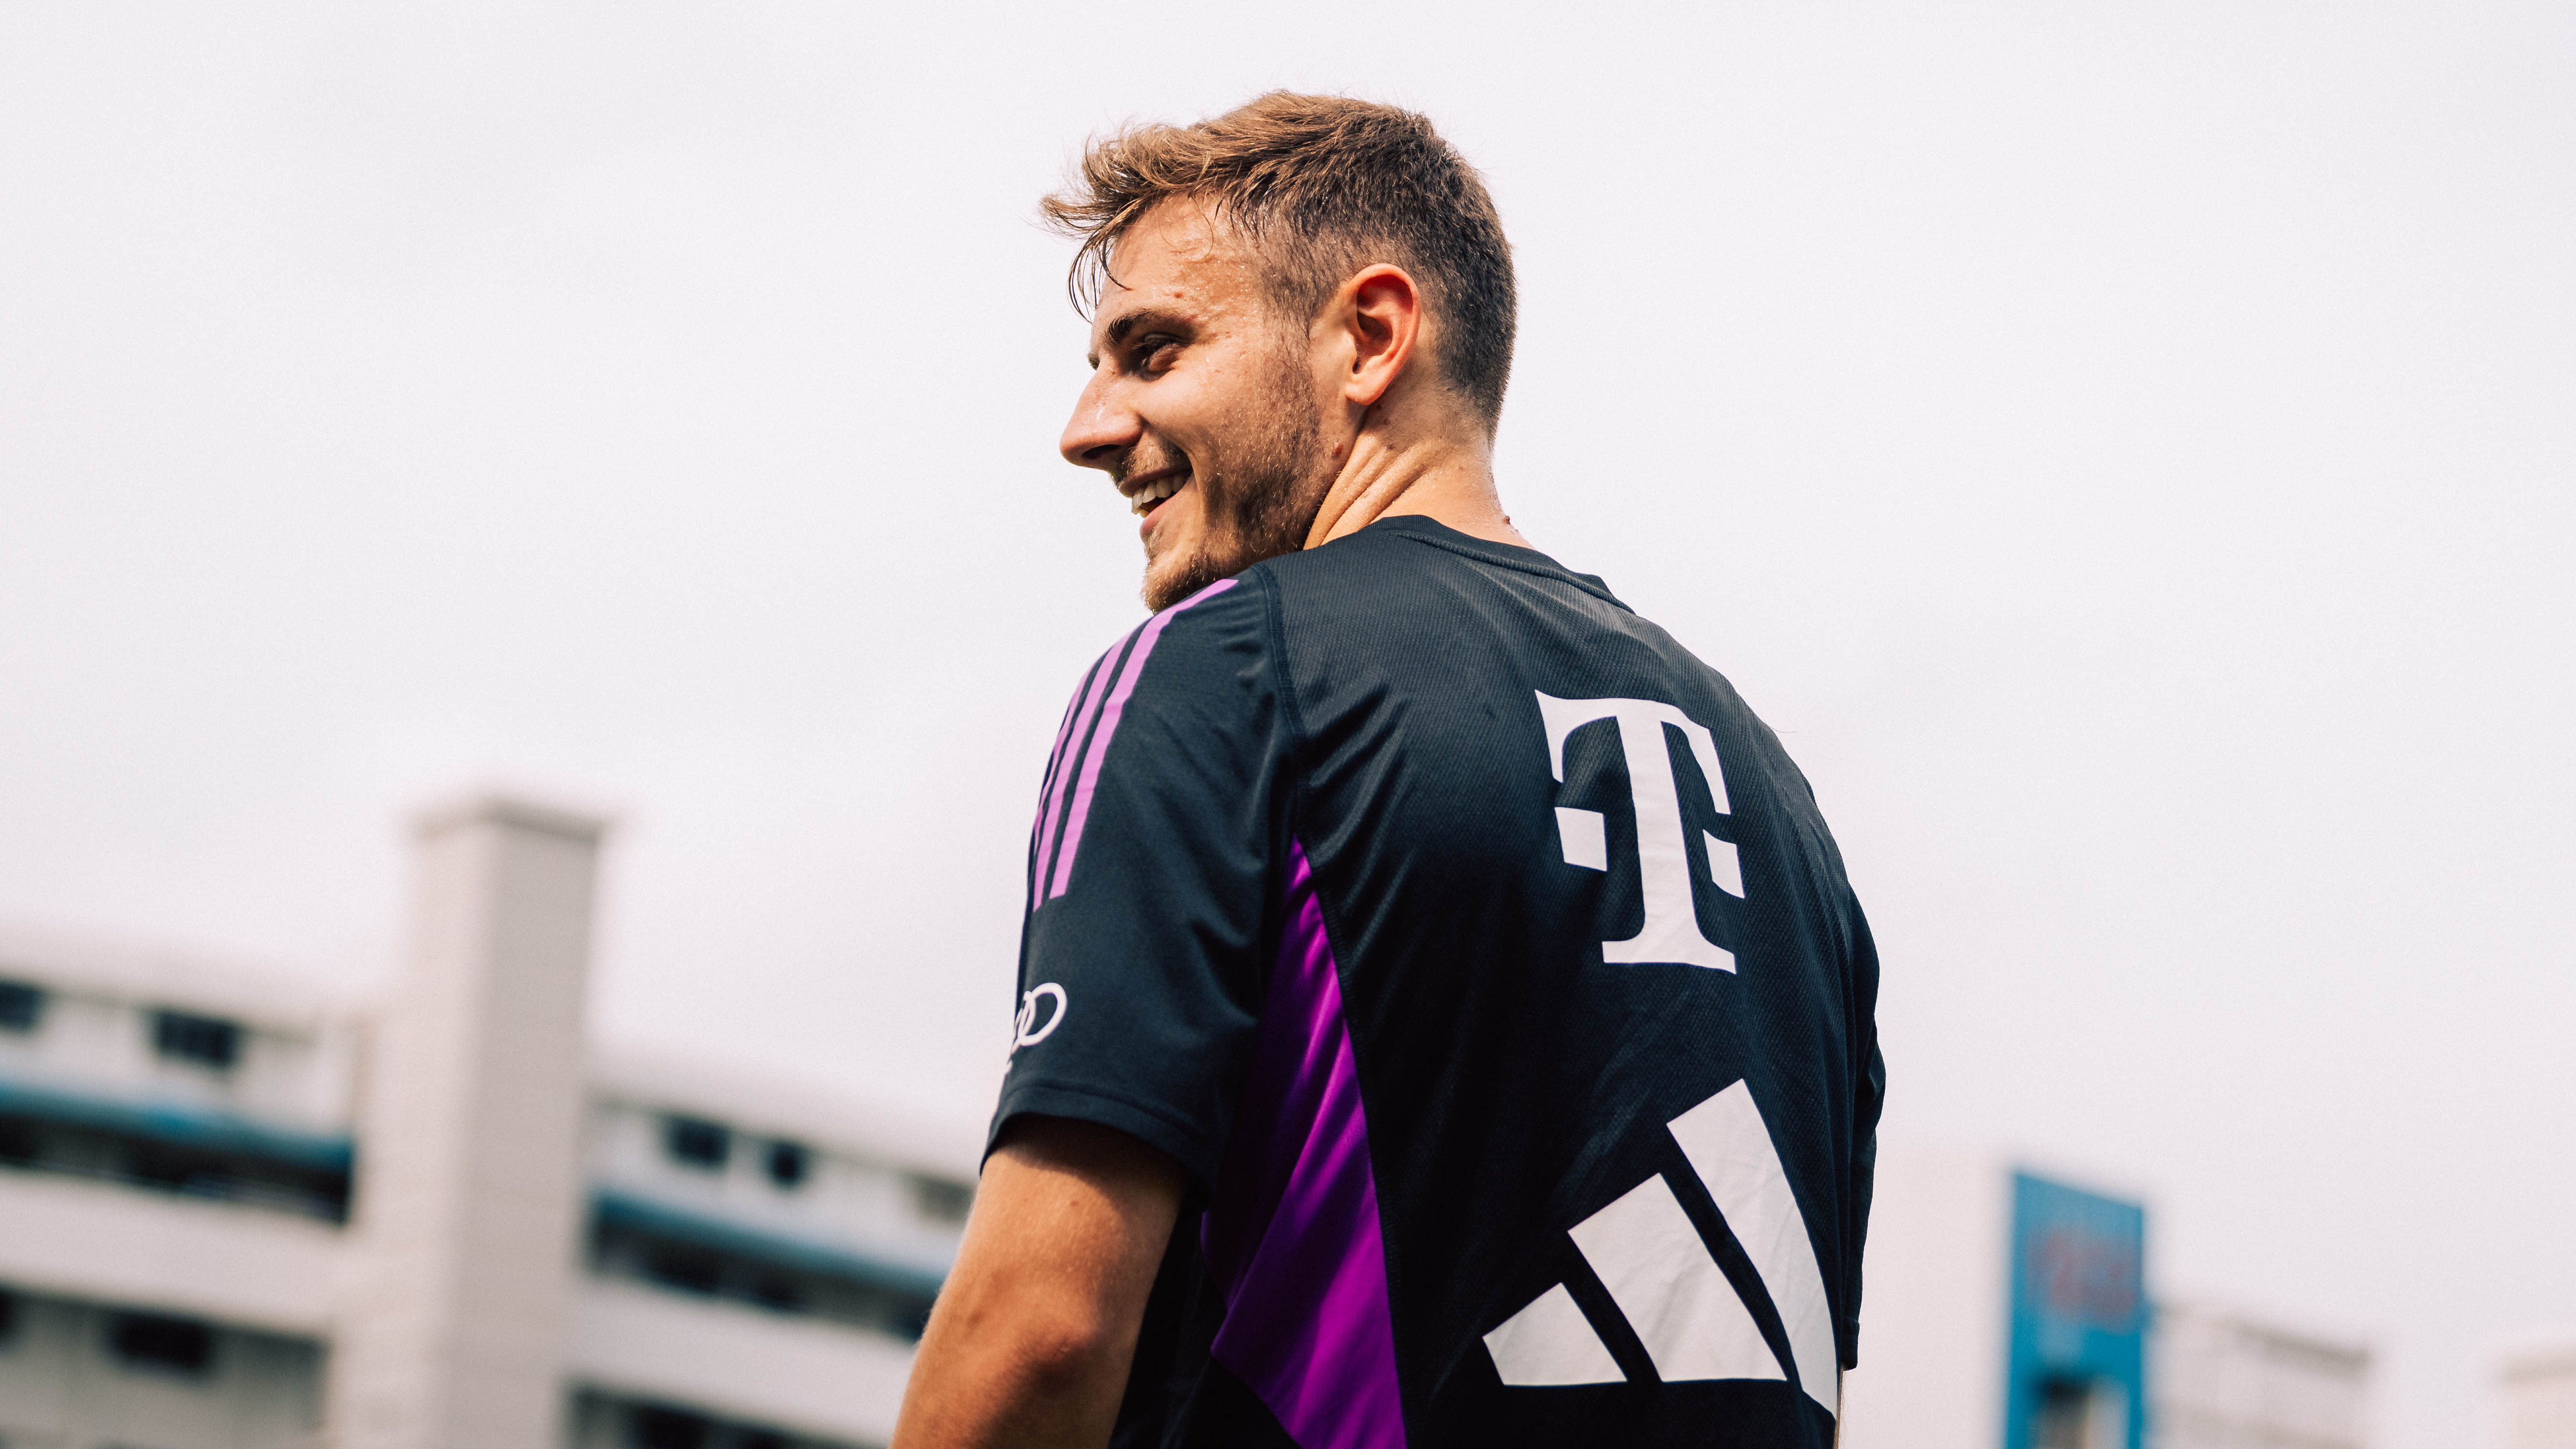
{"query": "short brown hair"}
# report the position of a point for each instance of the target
(1321, 186)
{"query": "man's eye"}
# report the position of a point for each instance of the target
(1158, 356)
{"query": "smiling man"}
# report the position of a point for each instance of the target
(1443, 1016)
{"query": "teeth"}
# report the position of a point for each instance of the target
(1152, 493)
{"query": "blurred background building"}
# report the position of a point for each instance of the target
(2004, 1307)
(2230, 1380)
(2540, 1397)
(235, 1214)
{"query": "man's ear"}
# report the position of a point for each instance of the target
(1382, 309)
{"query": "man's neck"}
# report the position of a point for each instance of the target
(1449, 482)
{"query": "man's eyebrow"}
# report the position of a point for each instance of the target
(1125, 327)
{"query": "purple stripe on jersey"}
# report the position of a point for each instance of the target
(1100, 738)
(1064, 727)
(1055, 754)
(1292, 1233)
(1067, 736)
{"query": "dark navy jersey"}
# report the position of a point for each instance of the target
(1488, 967)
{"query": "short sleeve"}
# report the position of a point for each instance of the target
(1152, 878)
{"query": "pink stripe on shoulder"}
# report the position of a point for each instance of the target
(1109, 717)
(1077, 721)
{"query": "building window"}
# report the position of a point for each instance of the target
(691, 1270)
(204, 1040)
(696, 1143)
(788, 1163)
(657, 1428)
(776, 1294)
(661, 1426)
(21, 1006)
(2077, 1414)
(940, 1200)
(173, 1345)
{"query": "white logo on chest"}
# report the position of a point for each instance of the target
(1671, 931)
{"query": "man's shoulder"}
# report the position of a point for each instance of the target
(1408, 567)
(1225, 617)
(1196, 662)
(1409, 603)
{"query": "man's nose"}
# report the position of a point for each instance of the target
(1101, 430)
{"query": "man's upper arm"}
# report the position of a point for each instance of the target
(1149, 894)
(1153, 879)
(1032, 1337)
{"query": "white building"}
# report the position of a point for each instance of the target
(2540, 1398)
(235, 1215)
(2003, 1308)
(2229, 1380)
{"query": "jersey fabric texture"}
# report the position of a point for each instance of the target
(1490, 970)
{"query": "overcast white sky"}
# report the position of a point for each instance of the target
(2125, 449)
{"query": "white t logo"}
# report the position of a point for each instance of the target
(1671, 932)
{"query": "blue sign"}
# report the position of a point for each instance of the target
(2076, 1374)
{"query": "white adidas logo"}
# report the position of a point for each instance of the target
(1671, 1291)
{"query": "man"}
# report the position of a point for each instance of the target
(1444, 1019)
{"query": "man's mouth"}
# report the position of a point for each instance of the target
(1143, 498)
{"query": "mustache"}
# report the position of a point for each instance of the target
(1149, 456)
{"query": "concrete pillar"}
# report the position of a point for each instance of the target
(468, 1212)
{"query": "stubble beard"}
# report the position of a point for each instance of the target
(1261, 491)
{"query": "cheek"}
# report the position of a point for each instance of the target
(1189, 410)
(1187, 511)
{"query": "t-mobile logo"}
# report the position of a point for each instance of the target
(1671, 932)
